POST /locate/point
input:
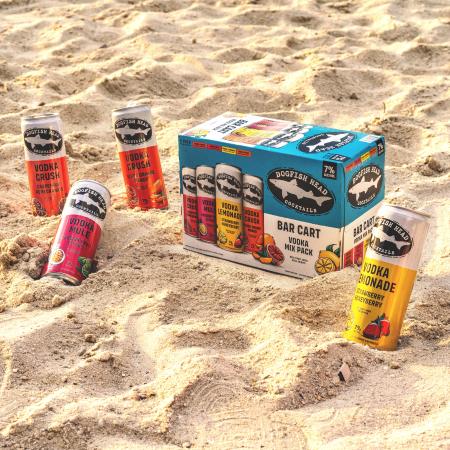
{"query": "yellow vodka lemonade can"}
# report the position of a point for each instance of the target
(230, 228)
(387, 277)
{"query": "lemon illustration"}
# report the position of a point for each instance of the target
(222, 238)
(202, 229)
(332, 254)
(324, 265)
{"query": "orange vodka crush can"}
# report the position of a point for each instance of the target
(139, 157)
(387, 277)
(46, 163)
(252, 189)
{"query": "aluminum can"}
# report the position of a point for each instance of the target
(189, 186)
(206, 203)
(252, 189)
(387, 277)
(230, 226)
(46, 163)
(73, 250)
(139, 157)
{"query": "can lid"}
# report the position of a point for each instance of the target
(131, 108)
(250, 177)
(95, 182)
(229, 165)
(403, 208)
(204, 166)
(40, 116)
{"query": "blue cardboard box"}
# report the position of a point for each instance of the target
(321, 188)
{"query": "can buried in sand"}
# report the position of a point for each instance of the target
(387, 277)
(73, 249)
(190, 220)
(230, 227)
(46, 163)
(139, 157)
(252, 188)
(206, 203)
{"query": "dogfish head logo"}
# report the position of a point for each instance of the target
(389, 238)
(205, 183)
(252, 194)
(43, 141)
(133, 131)
(300, 191)
(324, 142)
(189, 184)
(90, 201)
(229, 185)
(365, 185)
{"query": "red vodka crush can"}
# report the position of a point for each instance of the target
(252, 189)
(46, 163)
(206, 203)
(189, 187)
(139, 157)
(73, 249)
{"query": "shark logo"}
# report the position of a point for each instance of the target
(389, 238)
(365, 185)
(133, 131)
(229, 185)
(324, 142)
(43, 141)
(300, 191)
(252, 194)
(189, 184)
(205, 183)
(90, 201)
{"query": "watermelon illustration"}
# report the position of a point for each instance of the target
(385, 327)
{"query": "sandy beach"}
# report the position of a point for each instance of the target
(162, 348)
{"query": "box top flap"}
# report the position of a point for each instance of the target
(281, 136)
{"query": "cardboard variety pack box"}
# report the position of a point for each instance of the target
(291, 198)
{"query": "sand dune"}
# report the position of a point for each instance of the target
(162, 348)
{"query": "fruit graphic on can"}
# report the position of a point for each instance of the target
(252, 194)
(230, 227)
(46, 163)
(189, 187)
(139, 157)
(387, 277)
(73, 249)
(206, 203)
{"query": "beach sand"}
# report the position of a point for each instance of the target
(162, 348)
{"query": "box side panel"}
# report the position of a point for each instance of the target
(356, 237)
(364, 181)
